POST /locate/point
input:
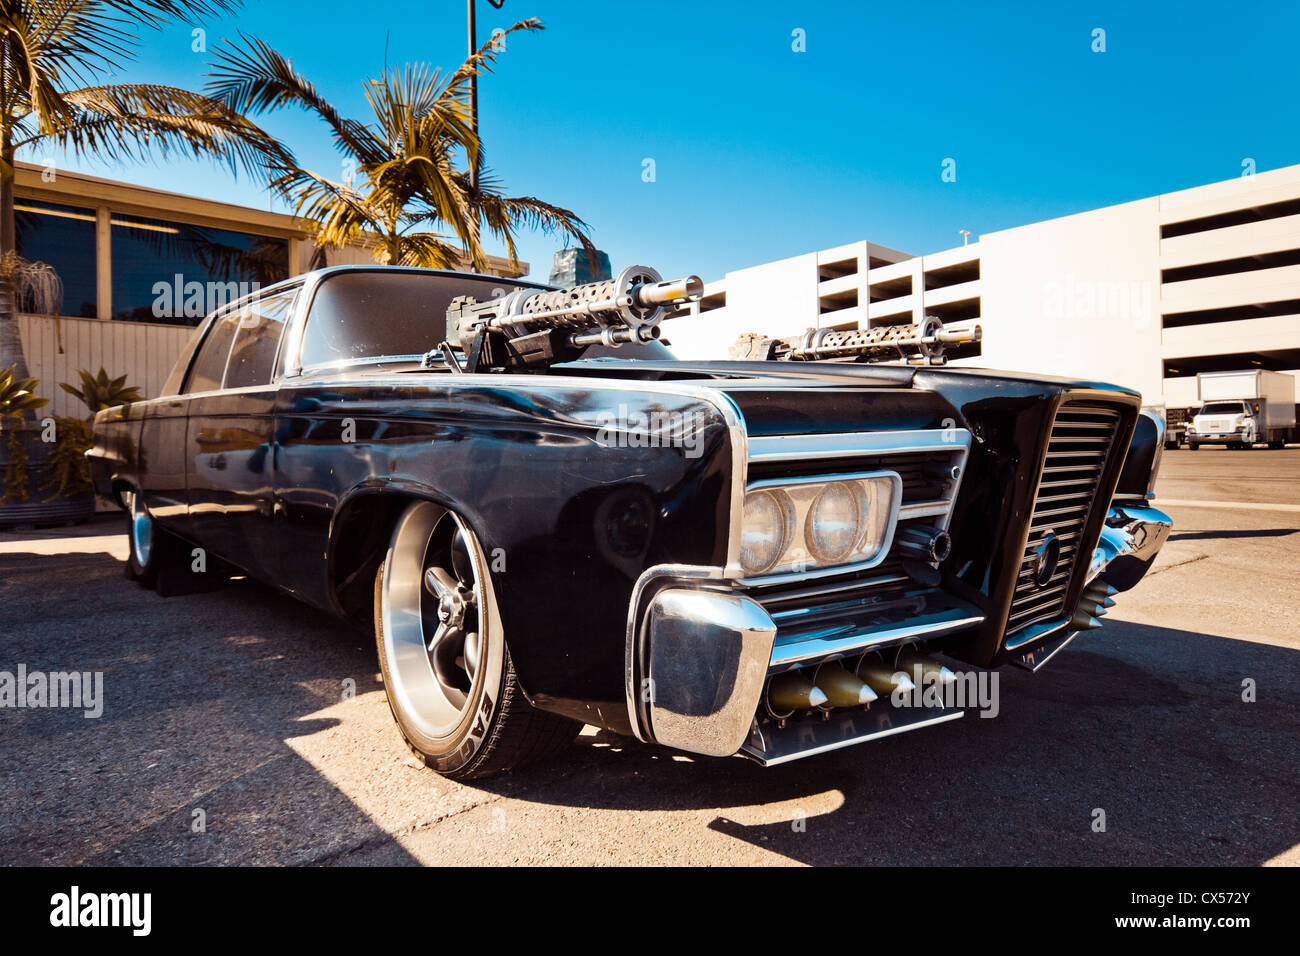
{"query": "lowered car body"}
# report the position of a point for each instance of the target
(582, 540)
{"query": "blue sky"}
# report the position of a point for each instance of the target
(761, 152)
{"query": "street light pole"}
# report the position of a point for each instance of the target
(473, 80)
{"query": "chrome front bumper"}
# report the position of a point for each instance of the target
(1130, 540)
(699, 654)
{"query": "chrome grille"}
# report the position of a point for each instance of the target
(1077, 451)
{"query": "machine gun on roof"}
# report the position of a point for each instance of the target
(919, 344)
(526, 329)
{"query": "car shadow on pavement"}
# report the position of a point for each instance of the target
(1146, 724)
(188, 763)
(1234, 533)
(203, 694)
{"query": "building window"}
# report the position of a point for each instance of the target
(63, 237)
(177, 273)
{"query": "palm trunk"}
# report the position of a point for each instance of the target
(11, 345)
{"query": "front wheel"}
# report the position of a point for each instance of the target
(1192, 446)
(449, 679)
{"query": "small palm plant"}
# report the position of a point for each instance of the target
(17, 398)
(98, 392)
(17, 395)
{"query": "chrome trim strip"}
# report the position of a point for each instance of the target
(926, 509)
(765, 448)
(1030, 660)
(752, 753)
(813, 648)
(1035, 632)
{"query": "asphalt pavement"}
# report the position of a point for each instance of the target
(228, 734)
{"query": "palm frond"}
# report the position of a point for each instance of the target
(129, 121)
(250, 77)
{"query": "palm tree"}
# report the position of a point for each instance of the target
(412, 201)
(51, 54)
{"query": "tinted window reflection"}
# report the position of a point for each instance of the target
(177, 272)
(63, 237)
(252, 357)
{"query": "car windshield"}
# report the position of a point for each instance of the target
(372, 313)
(1221, 408)
(368, 313)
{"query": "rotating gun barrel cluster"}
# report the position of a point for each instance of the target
(922, 343)
(527, 328)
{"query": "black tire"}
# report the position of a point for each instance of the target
(495, 729)
(143, 562)
(1192, 446)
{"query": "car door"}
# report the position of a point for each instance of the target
(230, 438)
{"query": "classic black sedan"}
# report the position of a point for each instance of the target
(548, 521)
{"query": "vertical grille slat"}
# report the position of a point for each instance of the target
(1080, 444)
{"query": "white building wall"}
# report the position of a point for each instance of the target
(1076, 296)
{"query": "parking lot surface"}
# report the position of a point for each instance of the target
(227, 735)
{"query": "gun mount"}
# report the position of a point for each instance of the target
(526, 328)
(919, 344)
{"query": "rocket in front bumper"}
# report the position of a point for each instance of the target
(700, 655)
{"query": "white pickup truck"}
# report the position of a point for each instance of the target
(1241, 409)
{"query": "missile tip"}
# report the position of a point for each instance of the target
(816, 697)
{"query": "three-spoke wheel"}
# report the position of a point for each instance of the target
(450, 681)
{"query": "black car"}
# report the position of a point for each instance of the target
(549, 522)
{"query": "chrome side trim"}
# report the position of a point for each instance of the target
(767, 448)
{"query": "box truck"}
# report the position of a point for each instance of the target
(1240, 409)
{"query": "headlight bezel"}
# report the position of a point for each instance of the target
(879, 496)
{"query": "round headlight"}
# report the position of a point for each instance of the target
(764, 531)
(833, 523)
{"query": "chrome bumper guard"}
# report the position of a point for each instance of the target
(1130, 540)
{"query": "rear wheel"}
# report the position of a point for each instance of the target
(1192, 446)
(448, 675)
(149, 546)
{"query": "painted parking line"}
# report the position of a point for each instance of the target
(1225, 505)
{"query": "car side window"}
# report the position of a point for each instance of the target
(210, 365)
(257, 337)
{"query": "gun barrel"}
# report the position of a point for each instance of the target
(927, 338)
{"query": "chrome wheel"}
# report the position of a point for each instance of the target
(141, 529)
(438, 624)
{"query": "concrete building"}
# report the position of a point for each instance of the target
(139, 268)
(1144, 294)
